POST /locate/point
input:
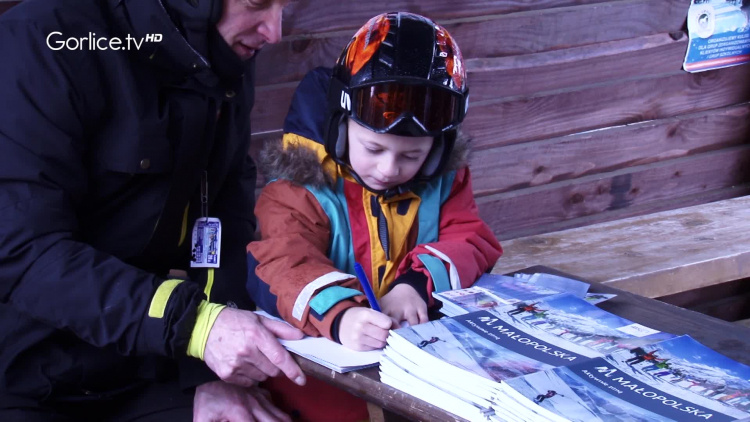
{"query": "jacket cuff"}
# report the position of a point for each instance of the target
(335, 328)
(204, 321)
(166, 326)
(416, 280)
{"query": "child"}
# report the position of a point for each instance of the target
(371, 170)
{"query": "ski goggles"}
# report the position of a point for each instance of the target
(383, 106)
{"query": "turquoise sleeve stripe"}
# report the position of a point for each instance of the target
(437, 270)
(325, 300)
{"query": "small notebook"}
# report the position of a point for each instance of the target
(329, 353)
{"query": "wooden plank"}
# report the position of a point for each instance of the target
(528, 74)
(504, 77)
(520, 33)
(730, 308)
(728, 301)
(694, 299)
(303, 18)
(538, 73)
(366, 384)
(511, 212)
(631, 211)
(515, 120)
(514, 167)
(512, 120)
(271, 105)
(375, 413)
(652, 255)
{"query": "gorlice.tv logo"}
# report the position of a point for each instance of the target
(57, 41)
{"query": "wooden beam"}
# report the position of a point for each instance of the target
(309, 18)
(729, 301)
(530, 164)
(530, 209)
(479, 31)
(514, 120)
(633, 210)
(509, 120)
(504, 77)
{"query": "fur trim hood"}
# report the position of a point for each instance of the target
(300, 163)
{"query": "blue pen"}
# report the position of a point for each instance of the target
(366, 286)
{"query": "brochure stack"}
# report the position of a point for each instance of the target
(558, 357)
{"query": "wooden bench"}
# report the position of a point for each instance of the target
(655, 255)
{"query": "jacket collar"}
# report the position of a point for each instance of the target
(189, 37)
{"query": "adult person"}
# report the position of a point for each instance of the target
(122, 123)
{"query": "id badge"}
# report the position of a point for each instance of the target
(206, 243)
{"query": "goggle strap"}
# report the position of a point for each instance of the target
(339, 96)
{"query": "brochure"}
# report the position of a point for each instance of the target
(471, 356)
(493, 290)
(678, 379)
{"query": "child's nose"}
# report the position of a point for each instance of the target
(388, 168)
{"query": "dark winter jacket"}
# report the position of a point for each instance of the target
(101, 157)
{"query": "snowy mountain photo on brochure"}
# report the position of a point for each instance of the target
(577, 321)
(515, 340)
(491, 290)
(678, 379)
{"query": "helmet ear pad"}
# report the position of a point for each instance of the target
(432, 161)
(438, 156)
(337, 138)
(342, 138)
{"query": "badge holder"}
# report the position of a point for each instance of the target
(206, 238)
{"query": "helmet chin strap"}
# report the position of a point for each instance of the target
(385, 193)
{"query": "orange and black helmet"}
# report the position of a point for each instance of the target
(401, 74)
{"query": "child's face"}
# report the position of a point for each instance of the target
(383, 160)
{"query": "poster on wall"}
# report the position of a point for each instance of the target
(719, 32)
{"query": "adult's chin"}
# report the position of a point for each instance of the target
(243, 52)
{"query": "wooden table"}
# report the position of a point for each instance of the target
(732, 340)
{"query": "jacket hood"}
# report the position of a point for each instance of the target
(304, 161)
(190, 43)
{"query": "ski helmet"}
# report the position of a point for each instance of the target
(401, 74)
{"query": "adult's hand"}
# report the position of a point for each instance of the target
(219, 401)
(243, 349)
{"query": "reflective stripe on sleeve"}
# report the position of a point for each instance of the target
(304, 296)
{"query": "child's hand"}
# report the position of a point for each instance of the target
(364, 329)
(403, 303)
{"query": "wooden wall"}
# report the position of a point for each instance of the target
(580, 112)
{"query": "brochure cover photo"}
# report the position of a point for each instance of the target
(678, 379)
